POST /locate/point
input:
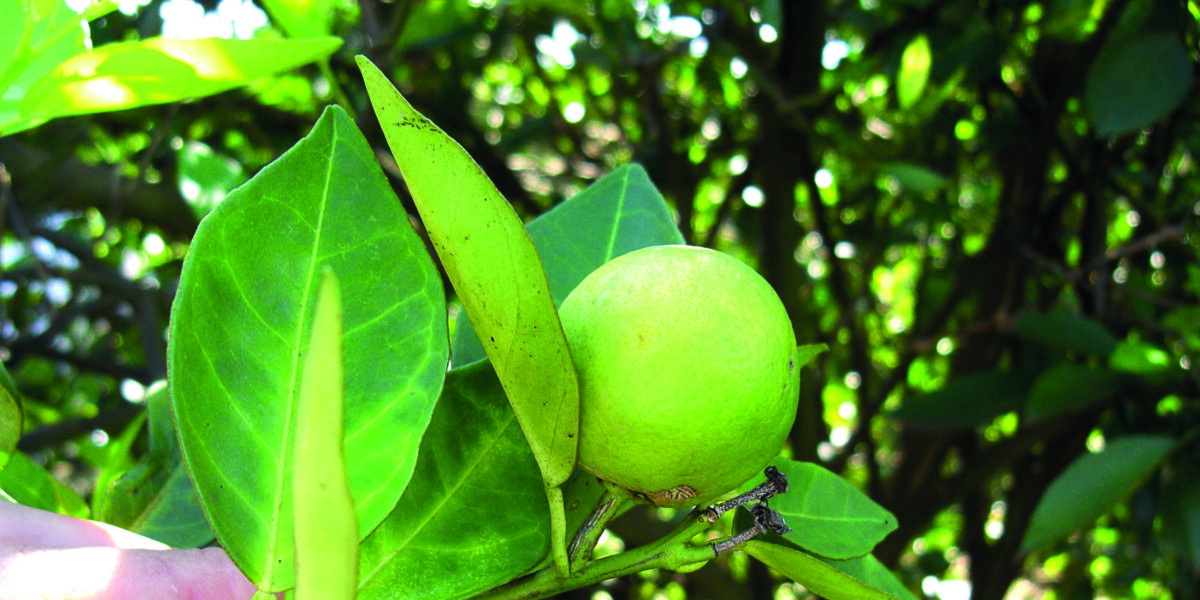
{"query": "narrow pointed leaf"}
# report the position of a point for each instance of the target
(114, 459)
(1091, 485)
(496, 272)
(474, 515)
(241, 320)
(618, 214)
(155, 498)
(326, 528)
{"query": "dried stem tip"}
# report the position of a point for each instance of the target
(776, 483)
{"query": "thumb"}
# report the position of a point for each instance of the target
(100, 573)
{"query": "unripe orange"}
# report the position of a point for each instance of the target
(686, 363)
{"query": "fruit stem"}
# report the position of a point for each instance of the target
(613, 503)
(776, 483)
(671, 552)
(558, 530)
(766, 520)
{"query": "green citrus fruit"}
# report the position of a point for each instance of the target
(686, 362)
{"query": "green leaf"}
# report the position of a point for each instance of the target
(241, 320)
(31, 484)
(1181, 509)
(805, 353)
(870, 571)
(37, 36)
(112, 460)
(435, 23)
(1087, 488)
(99, 8)
(618, 214)
(496, 272)
(1139, 358)
(915, 63)
(12, 418)
(968, 401)
(301, 18)
(914, 178)
(205, 178)
(152, 71)
(155, 498)
(1066, 332)
(814, 574)
(326, 531)
(829, 516)
(1136, 83)
(1067, 387)
(475, 515)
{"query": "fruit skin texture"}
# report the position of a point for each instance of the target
(686, 362)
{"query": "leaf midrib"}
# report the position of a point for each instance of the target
(293, 388)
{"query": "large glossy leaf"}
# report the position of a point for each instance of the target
(828, 515)
(1069, 387)
(817, 576)
(1137, 82)
(155, 498)
(618, 214)
(474, 515)
(37, 36)
(128, 74)
(241, 321)
(496, 273)
(966, 402)
(325, 524)
(1091, 485)
(32, 485)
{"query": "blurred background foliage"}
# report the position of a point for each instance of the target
(986, 209)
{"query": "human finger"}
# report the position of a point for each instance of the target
(107, 573)
(22, 525)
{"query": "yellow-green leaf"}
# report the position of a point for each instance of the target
(326, 529)
(914, 71)
(128, 74)
(11, 417)
(496, 271)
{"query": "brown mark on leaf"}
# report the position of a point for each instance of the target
(678, 493)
